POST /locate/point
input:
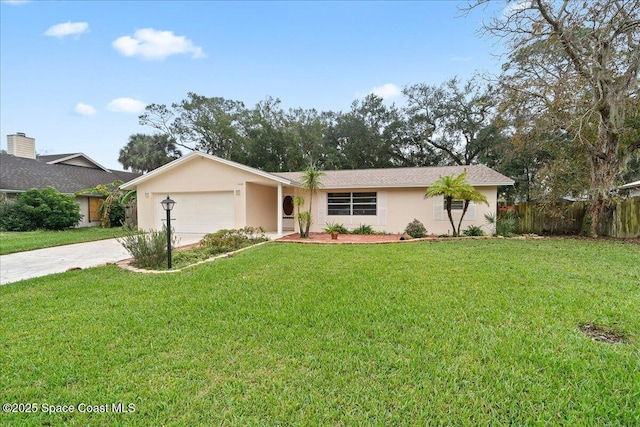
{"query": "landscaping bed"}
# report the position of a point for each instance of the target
(342, 238)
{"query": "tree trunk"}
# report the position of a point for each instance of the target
(464, 211)
(448, 203)
(604, 165)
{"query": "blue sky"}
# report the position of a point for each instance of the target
(75, 75)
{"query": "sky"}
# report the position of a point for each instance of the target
(75, 75)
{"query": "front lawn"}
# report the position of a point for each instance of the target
(479, 332)
(19, 241)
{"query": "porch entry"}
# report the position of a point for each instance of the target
(288, 212)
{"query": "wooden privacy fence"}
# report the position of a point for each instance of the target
(623, 220)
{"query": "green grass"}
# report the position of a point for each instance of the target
(479, 332)
(14, 241)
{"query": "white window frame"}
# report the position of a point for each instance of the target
(348, 199)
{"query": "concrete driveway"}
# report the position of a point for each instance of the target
(42, 262)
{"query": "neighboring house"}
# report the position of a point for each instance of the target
(213, 193)
(21, 170)
(633, 187)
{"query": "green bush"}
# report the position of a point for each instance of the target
(12, 218)
(231, 240)
(149, 250)
(333, 227)
(363, 229)
(46, 209)
(116, 215)
(473, 230)
(415, 229)
(505, 225)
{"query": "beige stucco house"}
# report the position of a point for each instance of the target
(213, 193)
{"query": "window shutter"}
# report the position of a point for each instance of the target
(382, 207)
(322, 208)
(471, 212)
(438, 208)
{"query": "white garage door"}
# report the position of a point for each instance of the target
(197, 212)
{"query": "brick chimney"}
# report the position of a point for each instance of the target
(20, 145)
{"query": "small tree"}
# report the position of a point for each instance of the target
(302, 217)
(469, 196)
(47, 209)
(309, 181)
(455, 188)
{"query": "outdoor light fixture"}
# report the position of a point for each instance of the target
(167, 205)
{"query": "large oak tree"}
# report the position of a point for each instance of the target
(578, 62)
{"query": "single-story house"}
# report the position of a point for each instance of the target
(633, 187)
(213, 193)
(21, 169)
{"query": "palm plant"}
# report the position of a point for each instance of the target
(113, 196)
(310, 181)
(455, 188)
(469, 195)
(144, 153)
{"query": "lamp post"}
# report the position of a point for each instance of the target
(167, 205)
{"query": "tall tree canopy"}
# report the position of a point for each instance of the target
(455, 118)
(144, 153)
(362, 137)
(210, 125)
(575, 65)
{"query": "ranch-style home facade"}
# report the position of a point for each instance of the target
(213, 193)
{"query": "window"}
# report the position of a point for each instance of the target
(352, 203)
(457, 205)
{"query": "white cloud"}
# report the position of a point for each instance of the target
(517, 6)
(387, 90)
(67, 29)
(151, 44)
(126, 105)
(84, 109)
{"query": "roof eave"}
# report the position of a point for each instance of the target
(420, 185)
(131, 185)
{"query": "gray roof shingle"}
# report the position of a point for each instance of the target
(20, 174)
(477, 175)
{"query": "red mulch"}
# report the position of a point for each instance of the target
(342, 238)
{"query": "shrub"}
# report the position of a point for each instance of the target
(333, 227)
(149, 250)
(473, 230)
(45, 209)
(231, 240)
(415, 229)
(12, 218)
(116, 215)
(363, 229)
(505, 225)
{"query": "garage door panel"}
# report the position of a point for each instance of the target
(198, 212)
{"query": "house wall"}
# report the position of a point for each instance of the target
(198, 174)
(262, 206)
(84, 211)
(396, 207)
